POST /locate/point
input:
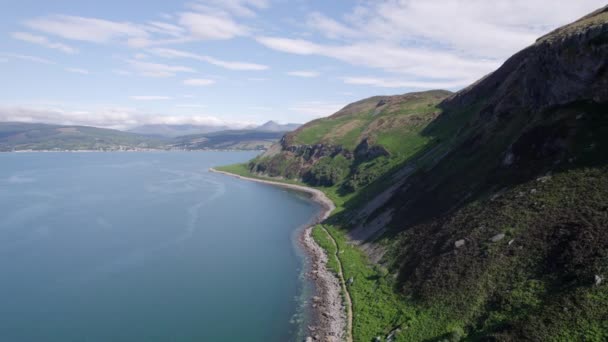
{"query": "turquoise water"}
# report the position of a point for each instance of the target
(145, 247)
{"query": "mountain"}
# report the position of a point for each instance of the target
(480, 215)
(15, 136)
(171, 131)
(272, 126)
(33, 136)
(228, 140)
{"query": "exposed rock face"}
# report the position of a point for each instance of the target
(544, 112)
(314, 152)
(564, 66)
(365, 152)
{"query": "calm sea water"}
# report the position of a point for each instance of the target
(145, 247)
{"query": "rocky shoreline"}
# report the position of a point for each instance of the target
(328, 316)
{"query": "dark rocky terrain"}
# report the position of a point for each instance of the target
(488, 206)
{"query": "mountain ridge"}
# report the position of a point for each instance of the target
(483, 212)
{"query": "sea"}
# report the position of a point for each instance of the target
(147, 246)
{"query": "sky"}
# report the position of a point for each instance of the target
(120, 64)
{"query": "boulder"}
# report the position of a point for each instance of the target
(497, 237)
(598, 280)
(459, 243)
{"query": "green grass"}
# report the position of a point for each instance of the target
(377, 308)
(321, 237)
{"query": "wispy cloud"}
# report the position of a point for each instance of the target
(151, 69)
(87, 29)
(149, 98)
(78, 71)
(28, 58)
(396, 83)
(409, 62)
(315, 109)
(43, 41)
(122, 72)
(243, 8)
(198, 82)
(304, 73)
(190, 105)
(464, 41)
(112, 117)
(212, 26)
(330, 27)
(231, 65)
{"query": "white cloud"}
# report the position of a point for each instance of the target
(212, 26)
(492, 29)
(87, 29)
(396, 83)
(315, 109)
(410, 62)
(122, 72)
(150, 69)
(190, 105)
(199, 82)
(304, 73)
(43, 41)
(113, 117)
(330, 27)
(101, 31)
(78, 71)
(149, 98)
(434, 43)
(231, 65)
(243, 8)
(166, 28)
(29, 58)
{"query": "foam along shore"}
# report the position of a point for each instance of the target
(327, 307)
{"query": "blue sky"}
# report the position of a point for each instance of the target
(123, 63)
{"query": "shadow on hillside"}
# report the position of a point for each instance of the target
(475, 155)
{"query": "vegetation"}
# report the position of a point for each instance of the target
(485, 212)
(26, 136)
(233, 140)
(21, 136)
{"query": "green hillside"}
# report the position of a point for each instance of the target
(25, 136)
(477, 216)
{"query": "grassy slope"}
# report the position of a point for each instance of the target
(539, 281)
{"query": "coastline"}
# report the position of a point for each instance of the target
(328, 321)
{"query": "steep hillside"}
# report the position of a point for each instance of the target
(357, 144)
(24, 136)
(485, 212)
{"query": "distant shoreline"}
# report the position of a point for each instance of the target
(126, 151)
(328, 320)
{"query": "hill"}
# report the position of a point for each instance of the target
(272, 126)
(27, 136)
(480, 215)
(228, 140)
(16, 136)
(172, 131)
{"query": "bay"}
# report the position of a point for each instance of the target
(145, 247)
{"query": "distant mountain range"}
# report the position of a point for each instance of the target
(17, 136)
(172, 131)
(273, 126)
